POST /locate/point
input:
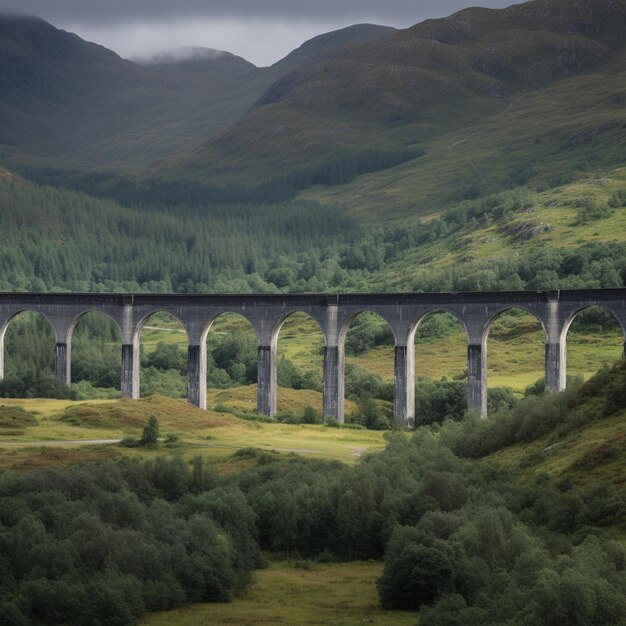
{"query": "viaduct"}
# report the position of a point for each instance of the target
(476, 311)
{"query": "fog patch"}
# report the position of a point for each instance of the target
(180, 55)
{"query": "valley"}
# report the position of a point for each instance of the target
(484, 151)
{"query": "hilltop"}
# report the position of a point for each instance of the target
(65, 101)
(540, 84)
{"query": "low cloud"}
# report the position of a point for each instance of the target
(262, 42)
(260, 31)
(187, 53)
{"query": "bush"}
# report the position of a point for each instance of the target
(150, 434)
(415, 574)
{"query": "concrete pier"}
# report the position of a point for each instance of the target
(63, 362)
(333, 383)
(196, 375)
(477, 378)
(130, 371)
(266, 380)
(404, 386)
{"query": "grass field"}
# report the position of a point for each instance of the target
(215, 436)
(341, 594)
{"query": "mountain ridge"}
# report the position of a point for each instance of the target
(421, 79)
(84, 106)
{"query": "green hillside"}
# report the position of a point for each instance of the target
(66, 102)
(437, 80)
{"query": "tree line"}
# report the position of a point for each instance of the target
(55, 239)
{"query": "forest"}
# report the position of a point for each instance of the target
(462, 540)
(55, 239)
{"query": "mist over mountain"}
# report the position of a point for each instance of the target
(81, 105)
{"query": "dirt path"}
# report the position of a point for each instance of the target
(70, 442)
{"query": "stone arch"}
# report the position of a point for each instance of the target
(14, 314)
(588, 361)
(162, 380)
(104, 379)
(279, 324)
(534, 372)
(573, 314)
(440, 367)
(294, 368)
(385, 369)
(7, 323)
(77, 318)
(506, 309)
(214, 381)
(216, 316)
(345, 327)
(139, 326)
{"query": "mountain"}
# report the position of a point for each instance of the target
(317, 48)
(67, 102)
(418, 87)
(80, 104)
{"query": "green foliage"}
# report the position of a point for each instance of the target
(436, 401)
(369, 415)
(233, 361)
(422, 570)
(366, 332)
(150, 433)
(15, 417)
(538, 414)
(166, 356)
(31, 383)
(462, 541)
(58, 239)
(103, 543)
(618, 199)
(360, 381)
(589, 211)
(310, 415)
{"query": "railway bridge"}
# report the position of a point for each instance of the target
(334, 313)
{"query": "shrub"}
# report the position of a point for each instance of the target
(150, 434)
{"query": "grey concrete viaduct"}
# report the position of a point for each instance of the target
(555, 310)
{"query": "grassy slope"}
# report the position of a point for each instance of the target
(520, 83)
(595, 453)
(538, 136)
(214, 435)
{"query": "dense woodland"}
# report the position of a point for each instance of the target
(56, 239)
(462, 540)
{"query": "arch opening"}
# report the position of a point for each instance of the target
(594, 339)
(440, 341)
(162, 341)
(369, 371)
(300, 369)
(231, 355)
(29, 359)
(515, 358)
(96, 357)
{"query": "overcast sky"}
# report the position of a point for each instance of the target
(262, 31)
